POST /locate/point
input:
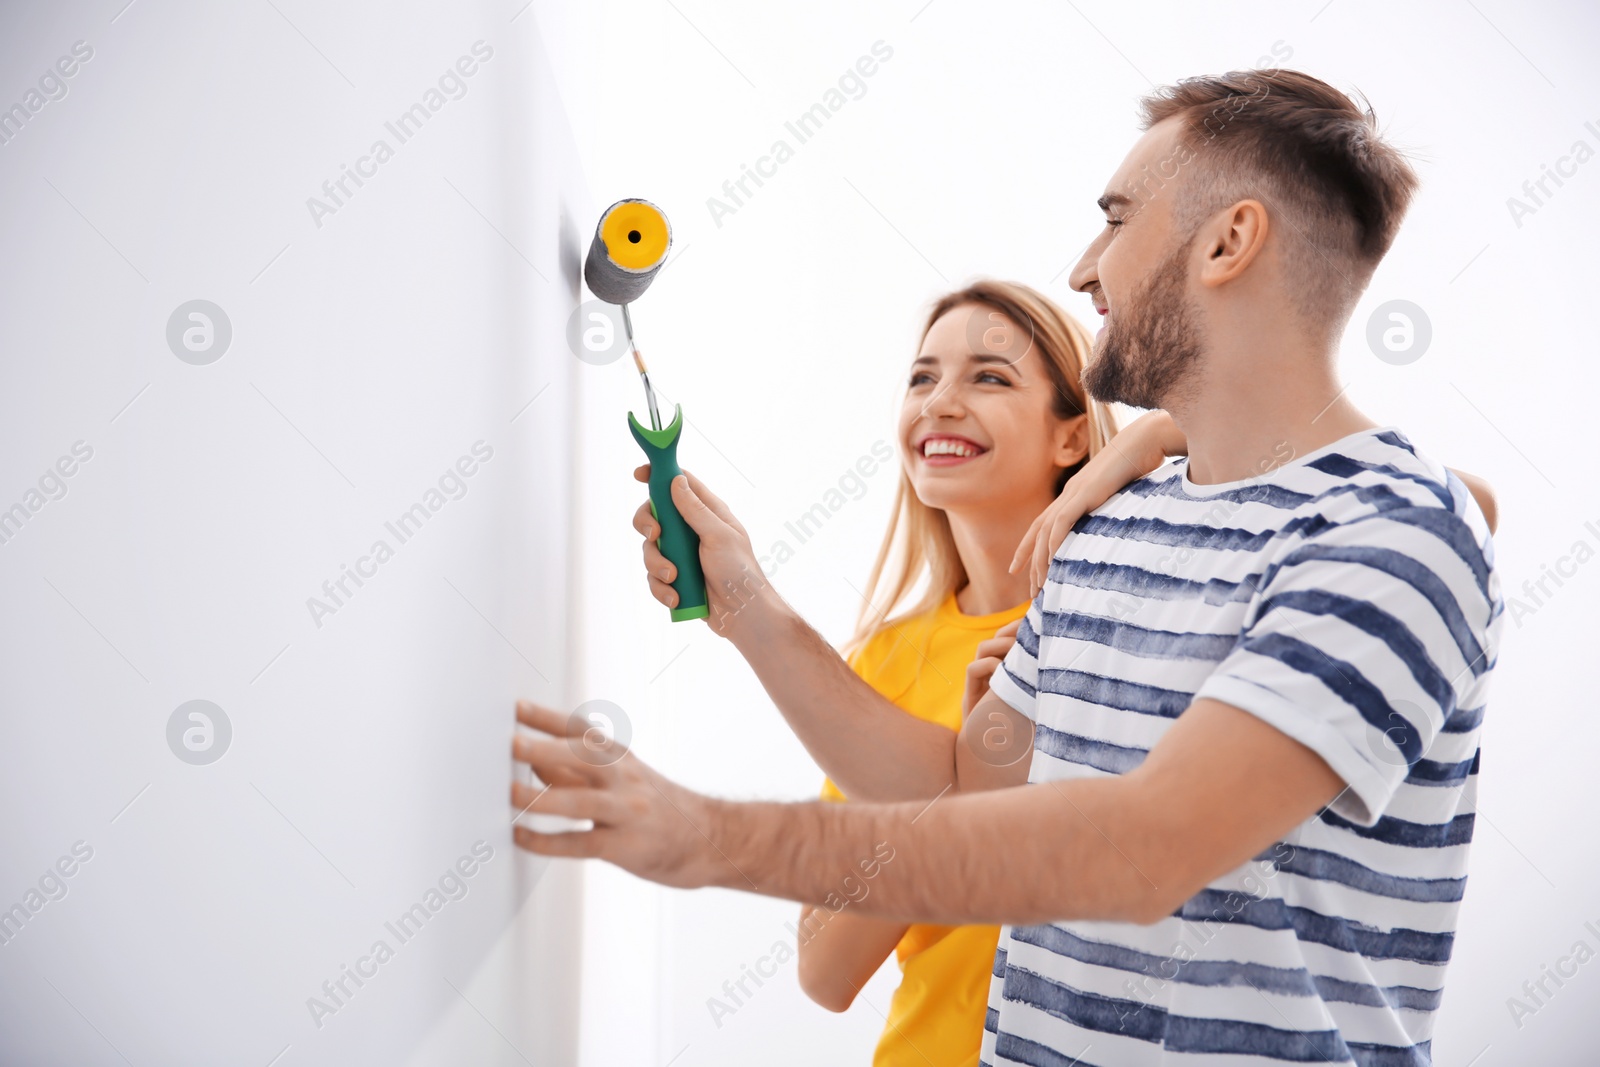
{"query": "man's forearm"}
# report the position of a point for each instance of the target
(943, 861)
(871, 748)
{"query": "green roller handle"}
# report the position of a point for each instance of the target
(678, 542)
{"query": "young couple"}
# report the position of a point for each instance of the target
(1219, 787)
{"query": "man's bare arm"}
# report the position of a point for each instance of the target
(1218, 789)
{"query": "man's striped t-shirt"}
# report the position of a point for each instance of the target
(1347, 597)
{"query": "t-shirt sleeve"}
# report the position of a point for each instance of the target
(1361, 641)
(1016, 681)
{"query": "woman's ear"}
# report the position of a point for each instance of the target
(1072, 441)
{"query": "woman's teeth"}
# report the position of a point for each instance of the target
(944, 446)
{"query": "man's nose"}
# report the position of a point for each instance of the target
(1086, 274)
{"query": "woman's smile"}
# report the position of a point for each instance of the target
(949, 450)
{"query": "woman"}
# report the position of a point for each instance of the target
(993, 423)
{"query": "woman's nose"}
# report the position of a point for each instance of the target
(944, 400)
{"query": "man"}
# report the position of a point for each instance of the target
(1222, 787)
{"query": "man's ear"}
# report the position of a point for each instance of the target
(1232, 240)
(1072, 441)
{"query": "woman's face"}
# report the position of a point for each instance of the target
(978, 427)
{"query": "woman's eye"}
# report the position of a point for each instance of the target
(1114, 222)
(991, 376)
(922, 377)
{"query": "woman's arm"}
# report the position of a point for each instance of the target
(1483, 494)
(1139, 448)
(1142, 446)
(843, 953)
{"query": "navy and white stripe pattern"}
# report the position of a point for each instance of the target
(1347, 597)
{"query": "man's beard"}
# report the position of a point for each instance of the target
(1151, 348)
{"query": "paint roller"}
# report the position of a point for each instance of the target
(630, 245)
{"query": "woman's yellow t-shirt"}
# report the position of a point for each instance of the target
(936, 1015)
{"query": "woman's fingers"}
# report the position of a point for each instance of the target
(979, 671)
(1044, 537)
(1042, 552)
(995, 646)
(641, 473)
(983, 666)
(1051, 540)
(1039, 566)
(991, 653)
(1025, 546)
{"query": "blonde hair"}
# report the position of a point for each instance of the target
(918, 542)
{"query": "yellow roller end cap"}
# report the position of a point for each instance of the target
(636, 235)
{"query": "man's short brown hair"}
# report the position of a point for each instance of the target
(1306, 151)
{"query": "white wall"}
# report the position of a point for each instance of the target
(370, 349)
(979, 148)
